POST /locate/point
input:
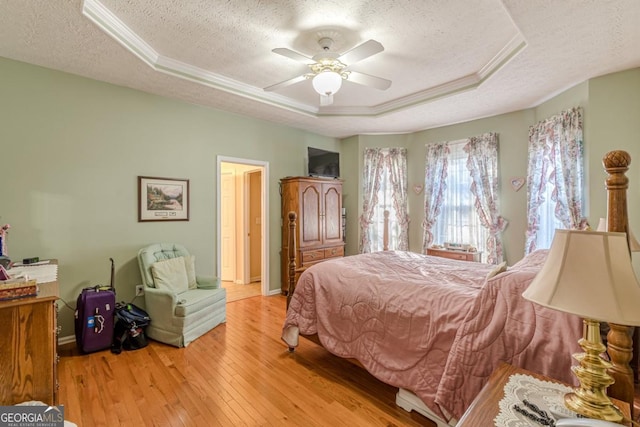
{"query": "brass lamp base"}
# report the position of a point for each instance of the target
(606, 412)
(591, 399)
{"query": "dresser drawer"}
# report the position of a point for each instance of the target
(462, 256)
(334, 252)
(312, 256)
(453, 255)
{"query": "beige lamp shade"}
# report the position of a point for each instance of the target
(589, 273)
(634, 245)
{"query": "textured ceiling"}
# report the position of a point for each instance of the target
(449, 61)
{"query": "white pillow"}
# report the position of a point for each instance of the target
(500, 268)
(170, 274)
(190, 265)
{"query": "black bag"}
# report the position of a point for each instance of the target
(130, 323)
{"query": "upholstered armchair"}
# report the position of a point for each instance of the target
(182, 306)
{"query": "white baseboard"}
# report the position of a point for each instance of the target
(69, 339)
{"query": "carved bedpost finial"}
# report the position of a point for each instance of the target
(616, 159)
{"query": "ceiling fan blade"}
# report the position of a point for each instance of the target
(285, 83)
(360, 52)
(293, 55)
(367, 80)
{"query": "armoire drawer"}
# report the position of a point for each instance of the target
(338, 251)
(312, 256)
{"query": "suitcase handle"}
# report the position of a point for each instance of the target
(112, 274)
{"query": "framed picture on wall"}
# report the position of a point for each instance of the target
(163, 199)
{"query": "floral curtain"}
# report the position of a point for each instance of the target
(537, 172)
(434, 185)
(567, 176)
(373, 167)
(482, 163)
(555, 158)
(397, 164)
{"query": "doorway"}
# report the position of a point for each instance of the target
(242, 196)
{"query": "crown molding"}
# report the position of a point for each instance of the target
(198, 75)
(469, 82)
(108, 22)
(116, 29)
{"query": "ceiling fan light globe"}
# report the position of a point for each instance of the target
(327, 82)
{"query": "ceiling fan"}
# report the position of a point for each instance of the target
(328, 69)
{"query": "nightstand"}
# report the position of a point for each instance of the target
(459, 255)
(485, 407)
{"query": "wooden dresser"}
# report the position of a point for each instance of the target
(318, 204)
(460, 255)
(28, 347)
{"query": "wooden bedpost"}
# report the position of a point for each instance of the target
(292, 256)
(385, 232)
(619, 339)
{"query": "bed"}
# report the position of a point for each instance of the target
(436, 328)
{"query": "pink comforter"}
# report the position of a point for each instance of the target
(431, 325)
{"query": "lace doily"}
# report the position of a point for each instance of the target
(548, 396)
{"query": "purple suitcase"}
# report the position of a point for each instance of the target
(95, 308)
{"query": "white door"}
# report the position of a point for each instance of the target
(228, 226)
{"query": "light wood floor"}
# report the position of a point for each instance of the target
(238, 374)
(236, 292)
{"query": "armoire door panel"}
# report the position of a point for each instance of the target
(310, 221)
(332, 219)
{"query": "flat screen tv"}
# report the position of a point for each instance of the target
(323, 163)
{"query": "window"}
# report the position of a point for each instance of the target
(461, 203)
(458, 221)
(555, 178)
(385, 189)
(385, 203)
(547, 221)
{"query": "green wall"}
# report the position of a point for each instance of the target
(611, 107)
(72, 149)
(351, 154)
(513, 131)
(614, 123)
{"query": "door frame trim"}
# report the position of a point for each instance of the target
(265, 214)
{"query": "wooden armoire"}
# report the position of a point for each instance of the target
(318, 204)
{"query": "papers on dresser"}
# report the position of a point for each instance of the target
(41, 273)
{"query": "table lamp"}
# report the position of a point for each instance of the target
(634, 245)
(589, 274)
